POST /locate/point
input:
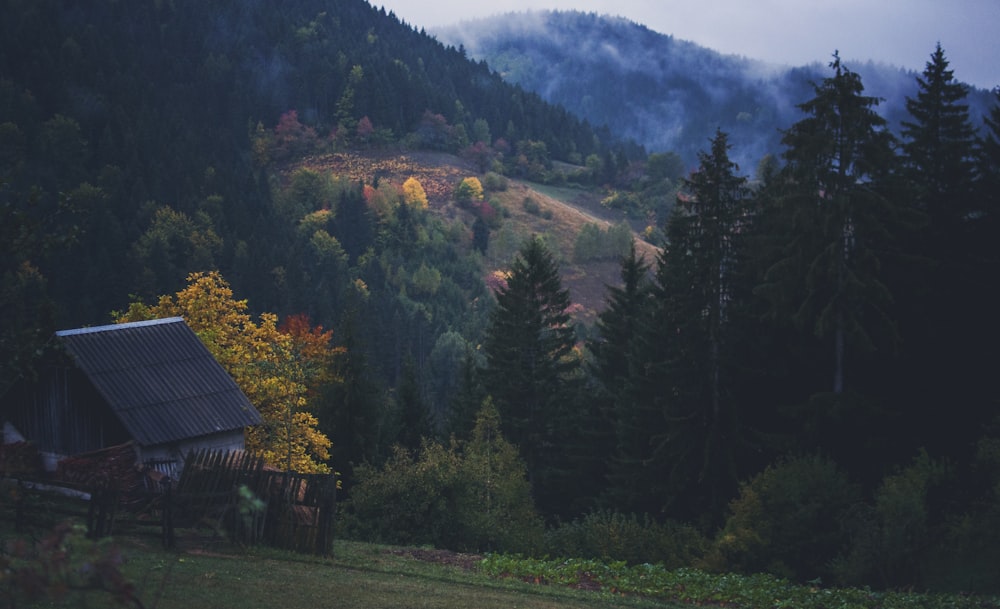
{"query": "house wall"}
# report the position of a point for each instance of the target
(176, 452)
(62, 413)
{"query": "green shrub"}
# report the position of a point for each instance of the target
(608, 535)
(891, 539)
(467, 497)
(531, 206)
(494, 182)
(786, 520)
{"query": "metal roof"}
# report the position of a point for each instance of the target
(160, 380)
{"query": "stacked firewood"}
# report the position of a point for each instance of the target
(114, 467)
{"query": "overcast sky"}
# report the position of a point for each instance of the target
(794, 32)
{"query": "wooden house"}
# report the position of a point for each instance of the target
(152, 384)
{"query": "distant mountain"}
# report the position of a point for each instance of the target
(663, 92)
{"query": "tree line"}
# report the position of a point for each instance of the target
(831, 326)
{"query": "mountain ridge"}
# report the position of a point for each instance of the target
(666, 93)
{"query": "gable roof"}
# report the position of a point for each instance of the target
(160, 380)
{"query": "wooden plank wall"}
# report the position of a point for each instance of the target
(298, 508)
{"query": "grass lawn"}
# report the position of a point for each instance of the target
(359, 575)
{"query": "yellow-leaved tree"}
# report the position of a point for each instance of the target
(469, 190)
(413, 193)
(270, 366)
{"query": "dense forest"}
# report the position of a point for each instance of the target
(799, 382)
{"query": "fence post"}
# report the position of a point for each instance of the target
(168, 516)
(327, 509)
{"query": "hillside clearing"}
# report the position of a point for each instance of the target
(562, 212)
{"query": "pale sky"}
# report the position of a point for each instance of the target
(794, 32)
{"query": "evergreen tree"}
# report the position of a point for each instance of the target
(618, 327)
(413, 413)
(939, 145)
(697, 288)
(618, 324)
(530, 367)
(837, 220)
(948, 320)
(988, 195)
(826, 289)
(353, 415)
(354, 226)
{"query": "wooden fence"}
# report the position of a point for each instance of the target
(231, 492)
(235, 491)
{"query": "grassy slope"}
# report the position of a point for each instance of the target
(359, 576)
(565, 211)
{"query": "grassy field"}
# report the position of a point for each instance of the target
(205, 571)
(361, 576)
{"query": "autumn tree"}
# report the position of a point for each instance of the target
(291, 137)
(469, 190)
(272, 368)
(413, 193)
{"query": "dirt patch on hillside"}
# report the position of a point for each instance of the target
(437, 172)
(442, 557)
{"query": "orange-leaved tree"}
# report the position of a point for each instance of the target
(274, 369)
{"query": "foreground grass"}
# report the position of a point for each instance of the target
(359, 575)
(368, 576)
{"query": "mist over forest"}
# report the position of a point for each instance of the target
(666, 93)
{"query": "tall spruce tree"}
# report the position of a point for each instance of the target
(988, 195)
(530, 368)
(826, 287)
(618, 327)
(939, 145)
(837, 221)
(950, 310)
(698, 286)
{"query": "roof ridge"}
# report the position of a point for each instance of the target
(131, 324)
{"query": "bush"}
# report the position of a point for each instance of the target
(611, 536)
(531, 206)
(467, 497)
(890, 540)
(494, 182)
(593, 243)
(786, 520)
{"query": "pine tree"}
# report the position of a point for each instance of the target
(530, 367)
(697, 286)
(939, 144)
(948, 320)
(618, 327)
(988, 196)
(836, 218)
(413, 413)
